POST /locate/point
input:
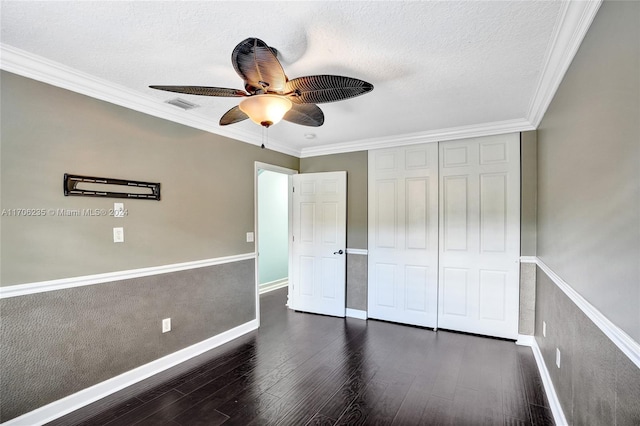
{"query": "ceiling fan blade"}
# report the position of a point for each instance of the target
(305, 115)
(257, 64)
(203, 90)
(234, 115)
(319, 89)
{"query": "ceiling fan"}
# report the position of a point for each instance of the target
(269, 95)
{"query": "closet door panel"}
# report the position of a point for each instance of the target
(480, 235)
(403, 234)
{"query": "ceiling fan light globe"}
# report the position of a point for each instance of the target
(263, 109)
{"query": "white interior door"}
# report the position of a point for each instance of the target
(403, 234)
(319, 243)
(480, 235)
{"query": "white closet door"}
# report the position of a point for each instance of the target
(480, 235)
(403, 234)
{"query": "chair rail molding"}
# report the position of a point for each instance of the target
(64, 283)
(622, 340)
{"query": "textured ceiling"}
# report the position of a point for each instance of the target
(434, 65)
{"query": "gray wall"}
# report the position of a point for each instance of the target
(597, 384)
(59, 342)
(588, 220)
(528, 219)
(207, 186)
(357, 281)
(356, 166)
(589, 169)
(527, 315)
(528, 192)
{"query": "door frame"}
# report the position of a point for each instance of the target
(282, 170)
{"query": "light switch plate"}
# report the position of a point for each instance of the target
(118, 209)
(118, 235)
(249, 237)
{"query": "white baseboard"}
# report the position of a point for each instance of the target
(91, 394)
(525, 340)
(356, 313)
(552, 396)
(273, 285)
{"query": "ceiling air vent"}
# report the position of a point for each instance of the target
(181, 103)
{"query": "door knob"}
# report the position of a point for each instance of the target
(338, 252)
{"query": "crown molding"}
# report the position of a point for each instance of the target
(41, 69)
(571, 28)
(440, 135)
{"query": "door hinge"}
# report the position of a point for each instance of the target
(293, 188)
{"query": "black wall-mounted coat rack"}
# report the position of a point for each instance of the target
(89, 186)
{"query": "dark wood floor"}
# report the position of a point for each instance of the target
(300, 369)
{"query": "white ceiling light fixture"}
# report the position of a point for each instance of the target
(265, 110)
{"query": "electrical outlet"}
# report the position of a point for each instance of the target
(166, 325)
(544, 329)
(558, 357)
(118, 235)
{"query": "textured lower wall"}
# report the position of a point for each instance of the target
(57, 343)
(526, 322)
(357, 281)
(596, 383)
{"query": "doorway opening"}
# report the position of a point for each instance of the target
(273, 228)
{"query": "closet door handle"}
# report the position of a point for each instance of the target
(338, 252)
